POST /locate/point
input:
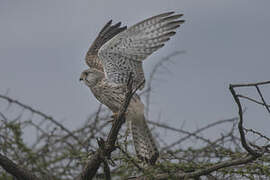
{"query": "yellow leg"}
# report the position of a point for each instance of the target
(115, 115)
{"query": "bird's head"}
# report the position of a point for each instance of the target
(84, 75)
(90, 76)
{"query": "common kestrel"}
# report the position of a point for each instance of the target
(118, 52)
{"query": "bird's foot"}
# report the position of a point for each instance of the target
(115, 115)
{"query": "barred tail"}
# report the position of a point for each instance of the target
(143, 140)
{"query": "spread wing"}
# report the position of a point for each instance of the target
(106, 33)
(125, 52)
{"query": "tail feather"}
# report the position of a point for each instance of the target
(143, 140)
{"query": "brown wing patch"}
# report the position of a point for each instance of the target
(106, 33)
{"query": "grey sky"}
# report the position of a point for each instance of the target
(43, 44)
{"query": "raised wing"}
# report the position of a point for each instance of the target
(106, 33)
(124, 53)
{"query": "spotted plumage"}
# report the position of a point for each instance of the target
(118, 52)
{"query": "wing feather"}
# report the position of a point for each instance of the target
(135, 44)
(106, 33)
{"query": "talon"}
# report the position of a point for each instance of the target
(114, 115)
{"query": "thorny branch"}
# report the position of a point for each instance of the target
(14, 169)
(59, 153)
(240, 112)
(205, 171)
(34, 111)
(189, 134)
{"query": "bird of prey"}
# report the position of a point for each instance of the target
(118, 52)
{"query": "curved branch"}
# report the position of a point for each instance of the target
(240, 124)
(15, 170)
(202, 172)
(10, 100)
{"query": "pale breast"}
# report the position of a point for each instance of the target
(109, 94)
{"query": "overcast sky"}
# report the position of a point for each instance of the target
(43, 45)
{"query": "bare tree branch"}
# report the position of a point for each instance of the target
(198, 173)
(189, 134)
(240, 124)
(15, 170)
(264, 103)
(10, 100)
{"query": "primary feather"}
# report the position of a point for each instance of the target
(124, 53)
